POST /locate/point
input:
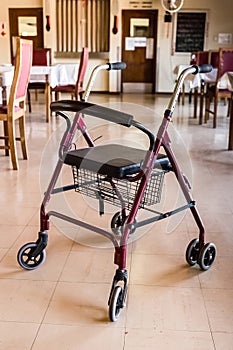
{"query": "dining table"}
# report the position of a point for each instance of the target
(197, 82)
(58, 74)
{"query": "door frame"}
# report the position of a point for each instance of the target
(142, 14)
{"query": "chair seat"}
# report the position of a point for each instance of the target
(3, 109)
(64, 88)
(36, 85)
(113, 160)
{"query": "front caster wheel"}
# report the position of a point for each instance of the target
(115, 303)
(192, 252)
(206, 256)
(26, 258)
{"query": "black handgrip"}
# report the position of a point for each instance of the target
(91, 109)
(204, 68)
(116, 66)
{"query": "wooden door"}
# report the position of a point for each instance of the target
(139, 33)
(26, 23)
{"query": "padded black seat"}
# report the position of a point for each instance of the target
(113, 160)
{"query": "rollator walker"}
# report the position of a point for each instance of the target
(128, 178)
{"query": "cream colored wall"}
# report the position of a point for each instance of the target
(219, 21)
(4, 18)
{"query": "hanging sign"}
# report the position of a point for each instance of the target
(3, 29)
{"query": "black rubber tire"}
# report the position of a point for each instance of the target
(192, 252)
(207, 256)
(24, 259)
(115, 304)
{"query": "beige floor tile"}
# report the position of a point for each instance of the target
(157, 308)
(3, 252)
(9, 234)
(162, 270)
(60, 337)
(169, 304)
(16, 216)
(81, 304)
(220, 275)
(223, 341)
(159, 241)
(219, 307)
(17, 335)
(21, 301)
(96, 267)
(148, 339)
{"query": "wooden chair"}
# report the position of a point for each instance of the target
(75, 90)
(41, 57)
(213, 93)
(201, 57)
(214, 58)
(15, 108)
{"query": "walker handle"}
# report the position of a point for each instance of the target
(204, 68)
(116, 66)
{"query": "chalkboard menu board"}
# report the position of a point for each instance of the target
(190, 31)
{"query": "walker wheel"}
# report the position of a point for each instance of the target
(206, 256)
(117, 224)
(25, 258)
(192, 252)
(115, 303)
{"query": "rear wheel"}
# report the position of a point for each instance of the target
(207, 256)
(192, 252)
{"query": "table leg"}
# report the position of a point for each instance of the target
(230, 142)
(48, 99)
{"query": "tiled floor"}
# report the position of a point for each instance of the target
(63, 304)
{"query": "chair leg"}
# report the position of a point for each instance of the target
(11, 133)
(207, 108)
(29, 101)
(22, 137)
(6, 136)
(215, 112)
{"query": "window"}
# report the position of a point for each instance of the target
(82, 23)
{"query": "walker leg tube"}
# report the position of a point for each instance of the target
(183, 182)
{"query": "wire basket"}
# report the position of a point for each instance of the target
(99, 186)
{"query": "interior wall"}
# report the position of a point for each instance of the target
(219, 21)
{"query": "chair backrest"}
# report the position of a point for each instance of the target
(225, 61)
(214, 58)
(202, 57)
(23, 62)
(41, 57)
(81, 72)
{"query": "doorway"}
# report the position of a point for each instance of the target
(139, 42)
(26, 23)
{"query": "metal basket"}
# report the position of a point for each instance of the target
(98, 186)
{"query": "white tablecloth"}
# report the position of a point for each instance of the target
(59, 74)
(226, 81)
